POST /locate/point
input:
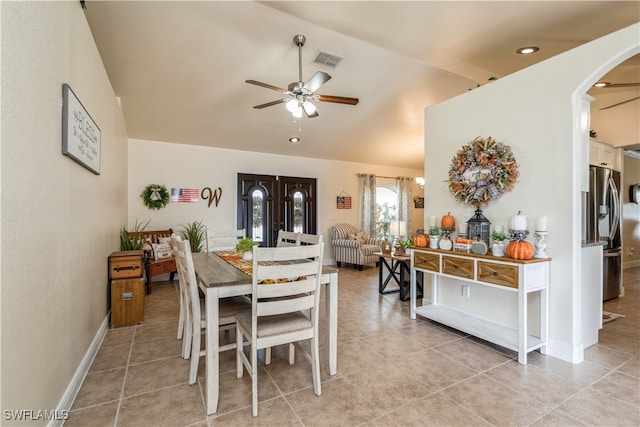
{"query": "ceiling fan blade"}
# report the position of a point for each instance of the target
(338, 99)
(265, 85)
(269, 104)
(317, 80)
(621, 85)
(620, 103)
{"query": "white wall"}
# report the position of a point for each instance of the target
(60, 222)
(180, 165)
(536, 112)
(630, 214)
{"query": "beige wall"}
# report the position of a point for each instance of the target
(59, 221)
(179, 165)
(630, 214)
(536, 111)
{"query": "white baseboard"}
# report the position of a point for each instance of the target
(78, 377)
(572, 354)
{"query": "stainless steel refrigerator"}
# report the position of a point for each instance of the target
(603, 222)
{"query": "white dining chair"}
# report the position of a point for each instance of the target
(223, 240)
(287, 238)
(291, 238)
(309, 239)
(228, 308)
(184, 318)
(284, 308)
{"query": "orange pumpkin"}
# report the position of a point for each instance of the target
(420, 240)
(448, 221)
(519, 249)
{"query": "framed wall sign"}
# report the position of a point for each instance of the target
(80, 134)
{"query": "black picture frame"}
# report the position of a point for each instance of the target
(418, 202)
(81, 139)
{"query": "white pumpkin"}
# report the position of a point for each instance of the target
(519, 222)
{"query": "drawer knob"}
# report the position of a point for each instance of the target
(455, 266)
(495, 274)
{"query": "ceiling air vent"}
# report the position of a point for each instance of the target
(326, 59)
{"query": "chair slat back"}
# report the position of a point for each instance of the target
(286, 272)
(184, 262)
(287, 238)
(291, 238)
(310, 239)
(224, 240)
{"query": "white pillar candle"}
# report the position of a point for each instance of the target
(541, 223)
(462, 228)
(499, 229)
(433, 221)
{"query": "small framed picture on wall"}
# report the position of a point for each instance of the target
(418, 202)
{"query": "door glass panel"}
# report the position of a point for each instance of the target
(258, 226)
(298, 212)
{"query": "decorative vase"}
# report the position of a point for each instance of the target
(247, 256)
(433, 242)
(497, 248)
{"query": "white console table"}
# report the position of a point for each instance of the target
(519, 276)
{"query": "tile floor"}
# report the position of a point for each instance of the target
(391, 371)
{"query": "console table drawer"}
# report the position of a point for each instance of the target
(498, 274)
(426, 261)
(457, 267)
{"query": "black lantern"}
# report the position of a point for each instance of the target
(478, 227)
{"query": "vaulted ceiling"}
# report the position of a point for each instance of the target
(180, 67)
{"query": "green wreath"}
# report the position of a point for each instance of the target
(482, 171)
(155, 196)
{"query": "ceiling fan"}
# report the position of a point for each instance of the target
(300, 94)
(607, 85)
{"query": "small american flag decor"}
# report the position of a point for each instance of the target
(344, 202)
(185, 195)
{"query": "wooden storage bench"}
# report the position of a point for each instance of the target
(161, 266)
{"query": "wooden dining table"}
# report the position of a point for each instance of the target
(219, 279)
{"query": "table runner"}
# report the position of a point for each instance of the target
(236, 260)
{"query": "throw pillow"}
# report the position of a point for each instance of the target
(359, 236)
(166, 240)
(161, 251)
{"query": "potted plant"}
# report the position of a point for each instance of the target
(498, 245)
(406, 244)
(245, 247)
(196, 233)
(434, 237)
(133, 240)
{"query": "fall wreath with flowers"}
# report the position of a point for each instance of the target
(482, 171)
(155, 196)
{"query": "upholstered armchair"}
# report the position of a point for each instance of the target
(353, 247)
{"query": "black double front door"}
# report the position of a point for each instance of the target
(268, 203)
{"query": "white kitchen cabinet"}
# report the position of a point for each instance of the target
(601, 154)
(505, 274)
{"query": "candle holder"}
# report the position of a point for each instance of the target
(540, 244)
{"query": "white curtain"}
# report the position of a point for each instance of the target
(367, 189)
(404, 199)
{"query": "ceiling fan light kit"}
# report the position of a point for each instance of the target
(300, 94)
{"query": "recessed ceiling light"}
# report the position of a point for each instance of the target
(294, 140)
(601, 84)
(528, 50)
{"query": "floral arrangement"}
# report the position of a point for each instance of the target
(155, 196)
(482, 171)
